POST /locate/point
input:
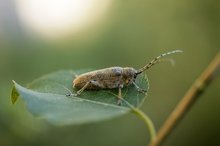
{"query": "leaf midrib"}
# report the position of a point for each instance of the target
(76, 98)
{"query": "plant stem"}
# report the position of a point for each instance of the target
(146, 119)
(188, 100)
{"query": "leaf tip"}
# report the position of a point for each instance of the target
(14, 93)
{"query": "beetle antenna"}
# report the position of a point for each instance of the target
(157, 60)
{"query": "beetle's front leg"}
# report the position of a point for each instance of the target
(138, 88)
(119, 101)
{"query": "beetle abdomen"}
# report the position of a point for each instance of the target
(107, 78)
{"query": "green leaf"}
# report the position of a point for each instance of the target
(14, 94)
(45, 98)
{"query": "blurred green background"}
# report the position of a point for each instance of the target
(124, 33)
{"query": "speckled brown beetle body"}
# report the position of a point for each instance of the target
(107, 78)
(113, 77)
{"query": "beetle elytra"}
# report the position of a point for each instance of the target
(113, 77)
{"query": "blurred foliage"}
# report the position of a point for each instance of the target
(132, 33)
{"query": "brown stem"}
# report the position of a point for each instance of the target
(188, 100)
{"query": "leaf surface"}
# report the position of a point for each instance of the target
(45, 98)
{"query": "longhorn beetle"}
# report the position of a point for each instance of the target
(113, 77)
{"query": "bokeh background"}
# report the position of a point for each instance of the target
(42, 36)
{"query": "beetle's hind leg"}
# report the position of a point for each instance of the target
(79, 91)
(139, 89)
(83, 88)
(94, 82)
(68, 94)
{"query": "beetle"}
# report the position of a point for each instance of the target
(113, 77)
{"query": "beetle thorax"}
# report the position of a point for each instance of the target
(129, 75)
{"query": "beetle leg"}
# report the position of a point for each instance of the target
(83, 88)
(94, 82)
(79, 91)
(119, 101)
(138, 88)
(70, 93)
